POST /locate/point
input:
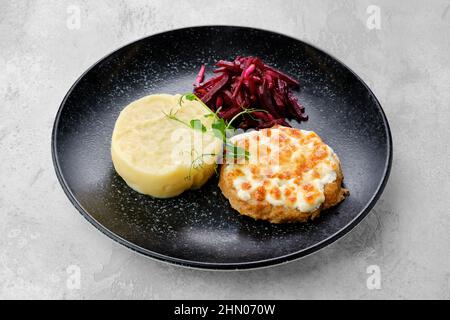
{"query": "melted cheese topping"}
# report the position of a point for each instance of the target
(286, 167)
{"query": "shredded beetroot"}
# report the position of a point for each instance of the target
(247, 82)
(249, 71)
(200, 75)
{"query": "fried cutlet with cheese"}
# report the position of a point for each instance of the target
(291, 175)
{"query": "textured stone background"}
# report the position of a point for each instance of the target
(406, 63)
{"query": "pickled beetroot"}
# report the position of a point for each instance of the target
(200, 75)
(247, 82)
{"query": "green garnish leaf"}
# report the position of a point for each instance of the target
(197, 125)
(234, 151)
(219, 127)
(190, 96)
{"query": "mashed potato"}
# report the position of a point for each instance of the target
(159, 156)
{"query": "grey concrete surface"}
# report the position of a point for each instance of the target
(406, 63)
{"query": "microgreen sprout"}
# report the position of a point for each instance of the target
(219, 127)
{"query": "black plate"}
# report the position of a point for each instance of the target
(199, 228)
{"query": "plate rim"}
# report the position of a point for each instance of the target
(227, 265)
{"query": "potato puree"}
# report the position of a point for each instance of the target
(159, 156)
